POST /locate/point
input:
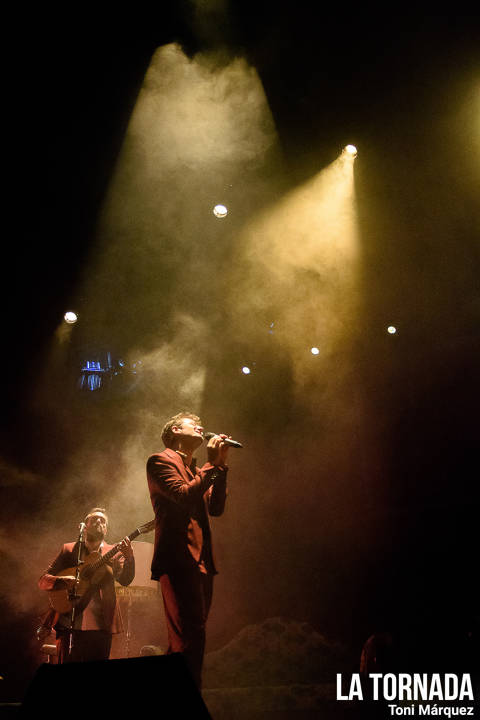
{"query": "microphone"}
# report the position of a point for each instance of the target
(227, 441)
(82, 527)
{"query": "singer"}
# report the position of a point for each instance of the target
(96, 615)
(183, 497)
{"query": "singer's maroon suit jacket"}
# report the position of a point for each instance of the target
(183, 499)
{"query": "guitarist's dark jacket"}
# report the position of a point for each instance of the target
(101, 612)
(183, 498)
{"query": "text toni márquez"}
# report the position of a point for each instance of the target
(433, 689)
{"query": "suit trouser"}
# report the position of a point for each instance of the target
(187, 597)
(87, 645)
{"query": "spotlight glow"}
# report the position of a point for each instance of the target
(392, 329)
(220, 211)
(351, 150)
(246, 370)
(70, 317)
(315, 351)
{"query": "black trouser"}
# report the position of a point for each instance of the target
(87, 645)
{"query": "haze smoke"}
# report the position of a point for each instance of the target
(152, 294)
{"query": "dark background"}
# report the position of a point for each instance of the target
(379, 533)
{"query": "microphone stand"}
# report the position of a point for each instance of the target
(73, 596)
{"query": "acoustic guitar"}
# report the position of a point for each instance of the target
(91, 572)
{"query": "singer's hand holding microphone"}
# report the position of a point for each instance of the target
(218, 446)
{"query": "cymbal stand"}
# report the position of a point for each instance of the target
(128, 634)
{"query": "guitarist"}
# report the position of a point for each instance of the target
(97, 615)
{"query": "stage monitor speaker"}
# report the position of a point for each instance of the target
(159, 685)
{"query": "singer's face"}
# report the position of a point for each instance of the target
(96, 525)
(190, 432)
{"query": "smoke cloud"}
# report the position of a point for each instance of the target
(151, 294)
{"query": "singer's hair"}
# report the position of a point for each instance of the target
(95, 510)
(168, 437)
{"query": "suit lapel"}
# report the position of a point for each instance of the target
(183, 469)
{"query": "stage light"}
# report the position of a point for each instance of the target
(315, 351)
(392, 329)
(351, 150)
(220, 211)
(70, 317)
(246, 370)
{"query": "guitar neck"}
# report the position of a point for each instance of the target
(113, 551)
